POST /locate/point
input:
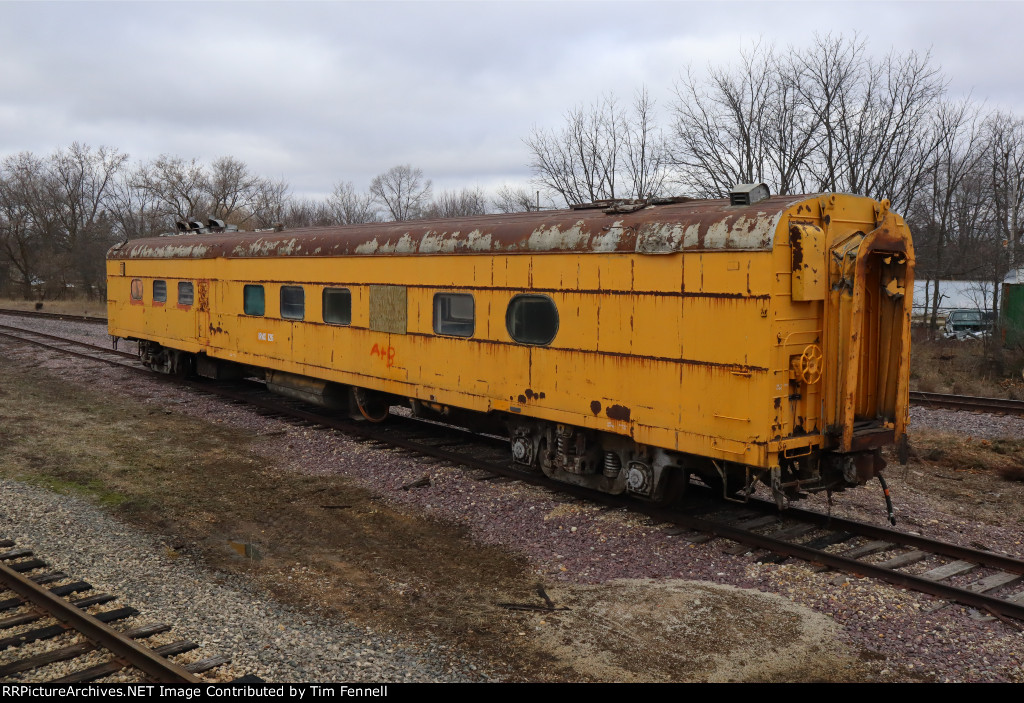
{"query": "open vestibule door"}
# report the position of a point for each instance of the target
(867, 322)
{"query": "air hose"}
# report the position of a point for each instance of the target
(888, 501)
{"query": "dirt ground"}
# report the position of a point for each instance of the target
(329, 545)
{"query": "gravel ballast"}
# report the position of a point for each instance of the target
(222, 614)
(568, 542)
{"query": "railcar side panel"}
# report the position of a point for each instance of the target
(753, 346)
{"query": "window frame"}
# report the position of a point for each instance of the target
(440, 297)
(281, 309)
(263, 300)
(536, 296)
(190, 286)
(323, 310)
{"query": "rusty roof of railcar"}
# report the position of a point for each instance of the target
(654, 229)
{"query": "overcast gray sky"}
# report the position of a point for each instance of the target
(317, 93)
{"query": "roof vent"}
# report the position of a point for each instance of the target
(748, 193)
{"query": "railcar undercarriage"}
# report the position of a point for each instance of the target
(615, 464)
(597, 460)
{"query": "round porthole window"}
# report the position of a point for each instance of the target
(532, 319)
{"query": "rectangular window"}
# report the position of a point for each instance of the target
(337, 306)
(293, 302)
(253, 301)
(453, 314)
(136, 289)
(159, 291)
(186, 293)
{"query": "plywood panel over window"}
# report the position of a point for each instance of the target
(389, 309)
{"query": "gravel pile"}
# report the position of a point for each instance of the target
(573, 542)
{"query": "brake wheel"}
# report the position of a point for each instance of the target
(810, 364)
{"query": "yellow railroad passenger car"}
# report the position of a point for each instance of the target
(625, 346)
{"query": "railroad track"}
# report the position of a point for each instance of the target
(93, 352)
(974, 577)
(55, 316)
(1001, 406)
(40, 595)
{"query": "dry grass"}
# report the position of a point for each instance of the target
(957, 453)
(965, 368)
(96, 308)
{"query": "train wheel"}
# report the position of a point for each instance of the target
(184, 365)
(676, 483)
(373, 409)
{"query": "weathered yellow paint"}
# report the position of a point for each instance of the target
(809, 276)
(696, 351)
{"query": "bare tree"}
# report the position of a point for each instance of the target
(458, 203)
(646, 153)
(80, 182)
(24, 224)
(402, 191)
(350, 207)
(178, 186)
(744, 125)
(231, 190)
(1004, 147)
(268, 203)
(306, 212)
(135, 210)
(509, 199)
(876, 118)
(602, 153)
(947, 209)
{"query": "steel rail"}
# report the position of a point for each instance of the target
(158, 668)
(967, 402)
(65, 340)
(72, 352)
(54, 316)
(860, 568)
(954, 551)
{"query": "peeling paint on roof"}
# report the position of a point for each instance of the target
(696, 225)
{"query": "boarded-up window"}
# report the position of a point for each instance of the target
(253, 301)
(159, 291)
(293, 302)
(186, 293)
(388, 309)
(136, 289)
(454, 314)
(337, 306)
